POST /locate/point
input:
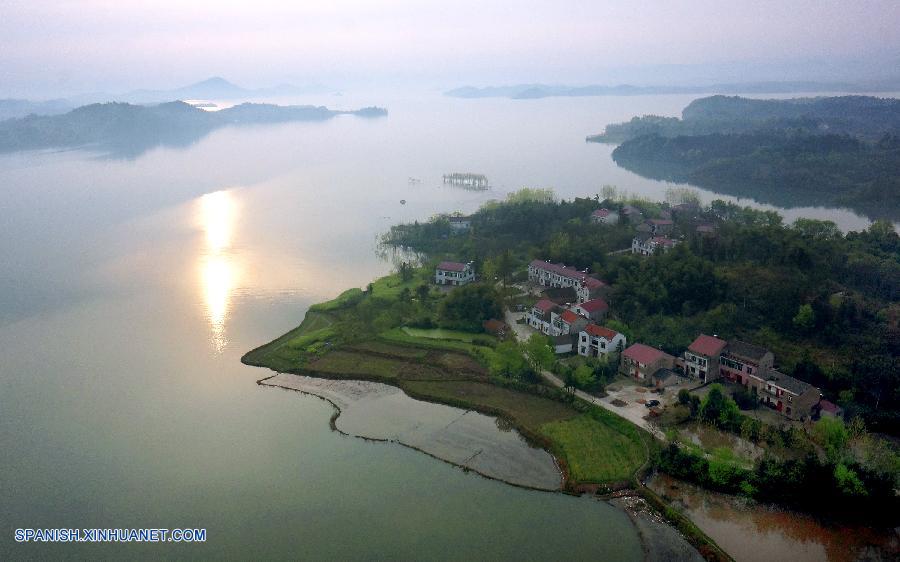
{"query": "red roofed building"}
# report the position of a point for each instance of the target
(565, 323)
(595, 309)
(605, 216)
(596, 341)
(660, 226)
(453, 273)
(641, 361)
(541, 314)
(701, 359)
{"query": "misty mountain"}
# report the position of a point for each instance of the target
(13, 108)
(536, 91)
(128, 129)
(215, 88)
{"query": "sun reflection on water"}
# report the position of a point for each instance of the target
(218, 271)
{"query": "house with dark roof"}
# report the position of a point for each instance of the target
(454, 273)
(591, 288)
(665, 377)
(595, 309)
(646, 244)
(741, 359)
(632, 214)
(605, 216)
(827, 409)
(562, 343)
(459, 224)
(701, 360)
(641, 361)
(597, 341)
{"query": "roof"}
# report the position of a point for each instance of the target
(494, 325)
(707, 345)
(451, 266)
(594, 305)
(660, 222)
(561, 340)
(559, 269)
(829, 406)
(459, 219)
(662, 241)
(706, 228)
(643, 353)
(600, 213)
(746, 350)
(545, 305)
(593, 283)
(629, 209)
(569, 317)
(789, 383)
(601, 331)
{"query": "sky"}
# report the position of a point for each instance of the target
(60, 48)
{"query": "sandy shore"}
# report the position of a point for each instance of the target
(464, 438)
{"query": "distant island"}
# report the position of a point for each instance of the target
(536, 91)
(834, 151)
(131, 129)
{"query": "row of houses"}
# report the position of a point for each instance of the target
(558, 275)
(576, 327)
(709, 358)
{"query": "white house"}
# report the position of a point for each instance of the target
(459, 224)
(454, 273)
(605, 216)
(540, 316)
(647, 245)
(596, 341)
(566, 322)
(558, 275)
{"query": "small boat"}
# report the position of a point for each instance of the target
(403, 201)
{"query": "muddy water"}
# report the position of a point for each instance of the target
(759, 533)
(464, 438)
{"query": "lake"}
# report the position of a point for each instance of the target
(131, 284)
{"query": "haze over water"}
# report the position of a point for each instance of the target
(130, 287)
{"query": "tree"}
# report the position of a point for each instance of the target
(583, 377)
(423, 291)
(540, 354)
(805, 320)
(467, 307)
(717, 408)
(405, 269)
(832, 435)
(507, 361)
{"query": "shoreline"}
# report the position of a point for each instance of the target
(338, 411)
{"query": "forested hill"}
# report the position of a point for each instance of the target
(863, 117)
(122, 127)
(837, 152)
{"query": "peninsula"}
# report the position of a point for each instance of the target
(837, 151)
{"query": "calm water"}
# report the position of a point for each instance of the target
(129, 288)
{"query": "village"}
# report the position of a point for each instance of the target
(570, 307)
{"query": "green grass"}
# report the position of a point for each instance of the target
(400, 336)
(390, 286)
(285, 353)
(440, 334)
(595, 451)
(382, 348)
(527, 410)
(346, 299)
